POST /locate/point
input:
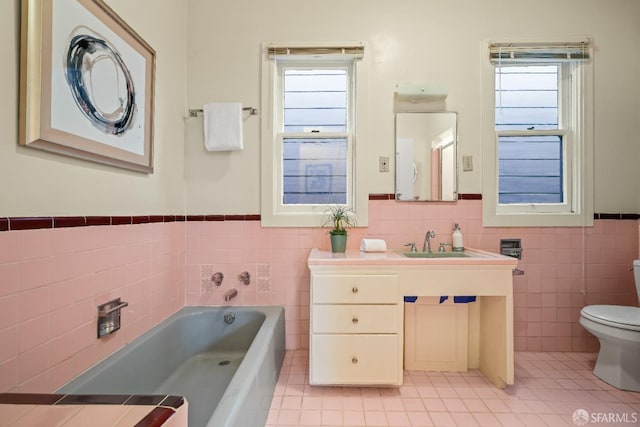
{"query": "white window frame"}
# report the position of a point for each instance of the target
(576, 128)
(273, 212)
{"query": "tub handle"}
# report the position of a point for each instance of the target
(245, 278)
(106, 312)
(217, 278)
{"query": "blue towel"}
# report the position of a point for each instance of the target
(459, 300)
(456, 300)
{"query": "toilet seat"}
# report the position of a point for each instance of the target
(617, 316)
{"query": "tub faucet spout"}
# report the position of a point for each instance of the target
(230, 294)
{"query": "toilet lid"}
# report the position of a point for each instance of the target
(619, 316)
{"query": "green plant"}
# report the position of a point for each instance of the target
(340, 218)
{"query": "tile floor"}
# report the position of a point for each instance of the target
(549, 390)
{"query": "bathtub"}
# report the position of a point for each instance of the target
(227, 372)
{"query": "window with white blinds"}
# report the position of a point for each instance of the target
(315, 135)
(531, 159)
(540, 95)
(312, 150)
(315, 99)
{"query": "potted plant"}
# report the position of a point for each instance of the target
(339, 218)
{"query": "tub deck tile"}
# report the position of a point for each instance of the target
(142, 399)
(94, 399)
(77, 408)
(29, 398)
(157, 417)
(172, 402)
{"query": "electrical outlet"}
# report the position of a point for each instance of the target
(383, 163)
(467, 163)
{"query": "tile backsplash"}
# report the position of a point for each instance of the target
(565, 268)
(52, 280)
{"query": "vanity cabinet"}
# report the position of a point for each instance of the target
(355, 329)
(357, 314)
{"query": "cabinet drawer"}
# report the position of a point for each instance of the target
(355, 359)
(355, 319)
(354, 289)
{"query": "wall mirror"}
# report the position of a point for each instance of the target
(426, 166)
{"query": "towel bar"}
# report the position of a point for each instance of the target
(251, 110)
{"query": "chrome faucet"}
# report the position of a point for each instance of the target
(426, 247)
(230, 294)
(412, 245)
(442, 246)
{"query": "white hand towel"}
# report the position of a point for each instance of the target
(373, 245)
(223, 126)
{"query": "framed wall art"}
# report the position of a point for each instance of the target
(86, 84)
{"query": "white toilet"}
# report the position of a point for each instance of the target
(618, 330)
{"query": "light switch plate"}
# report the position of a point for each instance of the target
(383, 163)
(467, 163)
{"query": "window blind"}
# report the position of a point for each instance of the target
(314, 170)
(505, 53)
(527, 97)
(315, 99)
(349, 51)
(530, 164)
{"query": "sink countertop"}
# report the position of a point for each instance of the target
(395, 257)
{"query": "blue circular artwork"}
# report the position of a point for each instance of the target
(84, 53)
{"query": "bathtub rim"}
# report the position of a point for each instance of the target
(238, 389)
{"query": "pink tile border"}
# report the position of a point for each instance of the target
(159, 263)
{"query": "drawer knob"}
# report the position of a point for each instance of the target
(354, 289)
(354, 360)
(354, 320)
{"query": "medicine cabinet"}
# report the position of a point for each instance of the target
(426, 160)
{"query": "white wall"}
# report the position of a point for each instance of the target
(37, 183)
(410, 41)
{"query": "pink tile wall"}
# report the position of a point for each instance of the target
(274, 257)
(565, 268)
(51, 282)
